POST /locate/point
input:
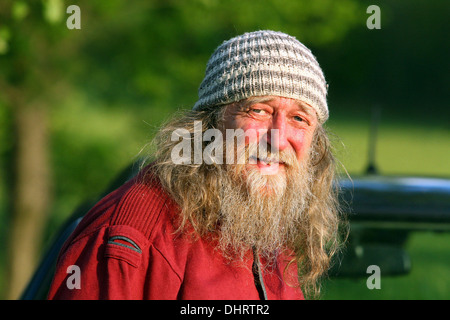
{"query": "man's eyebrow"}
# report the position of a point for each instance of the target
(247, 103)
(306, 108)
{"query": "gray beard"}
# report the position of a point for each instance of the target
(262, 212)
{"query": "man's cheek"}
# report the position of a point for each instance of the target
(301, 144)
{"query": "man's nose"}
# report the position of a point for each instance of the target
(277, 135)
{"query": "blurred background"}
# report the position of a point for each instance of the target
(78, 105)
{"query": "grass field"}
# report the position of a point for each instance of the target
(401, 148)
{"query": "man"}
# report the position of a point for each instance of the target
(253, 220)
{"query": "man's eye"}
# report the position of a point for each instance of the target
(258, 111)
(298, 118)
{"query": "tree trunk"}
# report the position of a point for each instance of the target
(31, 194)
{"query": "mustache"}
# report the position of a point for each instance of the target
(255, 151)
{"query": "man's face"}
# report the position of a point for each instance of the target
(292, 122)
(266, 213)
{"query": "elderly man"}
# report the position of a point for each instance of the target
(254, 220)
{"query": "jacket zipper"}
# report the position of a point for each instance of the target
(258, 276)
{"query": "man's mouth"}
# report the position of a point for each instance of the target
(265, 161)
(267, 165)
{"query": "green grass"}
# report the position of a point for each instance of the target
(400, 149)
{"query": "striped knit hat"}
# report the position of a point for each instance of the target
(263, 63)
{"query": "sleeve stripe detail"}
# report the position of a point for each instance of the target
(133, 246)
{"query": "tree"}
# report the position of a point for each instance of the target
(22, 85)
(31, 43)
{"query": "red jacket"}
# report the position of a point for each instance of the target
(126, 248)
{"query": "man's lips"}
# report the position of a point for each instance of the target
(267, 165)
(265, 161)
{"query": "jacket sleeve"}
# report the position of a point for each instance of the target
(115, 262)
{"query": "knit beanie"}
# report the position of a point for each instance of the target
(263, 63)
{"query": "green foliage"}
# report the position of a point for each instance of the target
(53, 11)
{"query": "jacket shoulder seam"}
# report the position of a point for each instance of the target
(168, 263)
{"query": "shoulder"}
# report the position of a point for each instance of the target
(140, 204)
(143, 205)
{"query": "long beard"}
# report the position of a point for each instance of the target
(260, 211)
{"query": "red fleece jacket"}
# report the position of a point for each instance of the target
(126, 247)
